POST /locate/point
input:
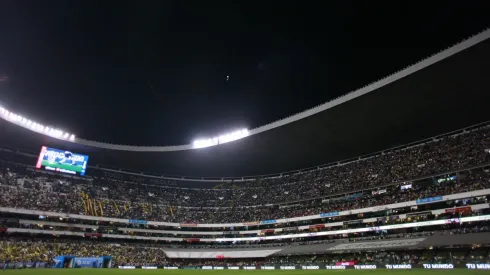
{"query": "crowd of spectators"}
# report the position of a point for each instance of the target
(414, 232)
(26, 188)
(337, 223)
(44, 250)
(455, 256)
(443, 230)
(47, 198)
(22, 187)
(439, 156)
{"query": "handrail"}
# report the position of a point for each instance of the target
(470, 194)
(276, 237)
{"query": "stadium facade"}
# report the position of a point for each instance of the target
(406, 203)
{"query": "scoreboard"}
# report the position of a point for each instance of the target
(51, 159)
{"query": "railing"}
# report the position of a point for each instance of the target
(249, 232)
(471, 194)
(266, 238)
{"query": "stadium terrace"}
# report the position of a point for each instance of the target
(430, 199)
(422, 205)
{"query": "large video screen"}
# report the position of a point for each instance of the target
(62, 161)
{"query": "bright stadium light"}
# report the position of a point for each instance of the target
(233, 136)
(33, 126)
(202, 143)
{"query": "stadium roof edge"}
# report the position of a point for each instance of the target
(291, 172)
(306, 169)
(443, 54)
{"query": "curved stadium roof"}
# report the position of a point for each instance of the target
(443, 93)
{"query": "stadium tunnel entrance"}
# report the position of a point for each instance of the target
(106, 262)
(63, 262)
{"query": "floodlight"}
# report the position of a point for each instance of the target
(201, 143)
(233, 136)
(197, 144)
(33, 126)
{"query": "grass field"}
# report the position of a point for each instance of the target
(62, 166)
(240, 272)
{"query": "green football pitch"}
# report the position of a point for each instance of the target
(240, 272)
(62, 166)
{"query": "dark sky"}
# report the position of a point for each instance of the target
(154, 72)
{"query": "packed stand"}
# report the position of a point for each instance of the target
(23, 187)
(449, 229)
(447, 154)
(64, 196)
(18, 249)
(45, 250)
(440, 256)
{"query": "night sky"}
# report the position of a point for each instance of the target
(155, 72)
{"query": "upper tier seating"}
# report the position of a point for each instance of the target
(28, 189)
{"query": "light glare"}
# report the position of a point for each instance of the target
(202, 143)
(33, 126)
